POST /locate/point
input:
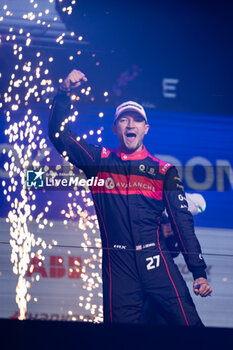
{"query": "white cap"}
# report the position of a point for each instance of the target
(130, 106)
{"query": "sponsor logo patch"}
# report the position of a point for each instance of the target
(180, 186)
(109, 183)
(118, 246)
(177, 178)
(181, 198)
(142, 167)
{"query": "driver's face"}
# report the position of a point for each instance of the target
(130, 129)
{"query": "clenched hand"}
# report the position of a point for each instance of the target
(201, 287)
(73, 80)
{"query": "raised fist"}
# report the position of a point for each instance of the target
(73, 80)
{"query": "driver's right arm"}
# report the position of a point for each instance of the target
(67, 143)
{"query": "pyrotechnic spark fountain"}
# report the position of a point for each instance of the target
(31, 83)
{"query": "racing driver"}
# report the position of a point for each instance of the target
(137, 188)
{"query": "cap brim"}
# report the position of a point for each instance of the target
(130, 110)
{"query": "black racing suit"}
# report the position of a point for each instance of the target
(136, 263)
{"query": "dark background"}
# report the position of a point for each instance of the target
(187, 40)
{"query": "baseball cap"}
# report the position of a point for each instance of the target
(130, 106)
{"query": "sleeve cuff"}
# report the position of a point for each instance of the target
(198, 272)
(63, 92)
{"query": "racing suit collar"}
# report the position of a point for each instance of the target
(132, 156)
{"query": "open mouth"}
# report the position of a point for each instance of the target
(131, 135)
